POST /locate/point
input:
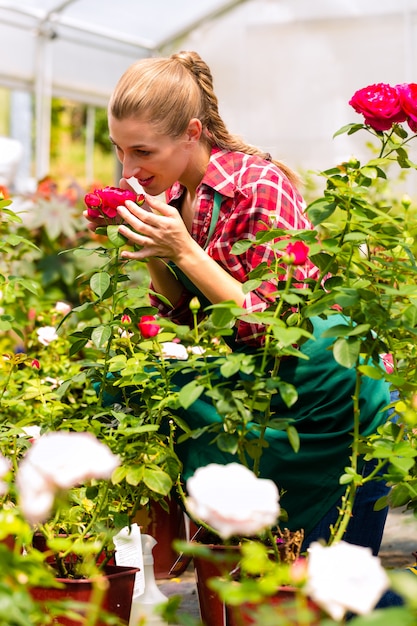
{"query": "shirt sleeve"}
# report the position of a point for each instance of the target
(180, 314)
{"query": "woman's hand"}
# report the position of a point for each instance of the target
(157, 228)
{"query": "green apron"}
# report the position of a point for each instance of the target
(308, 479)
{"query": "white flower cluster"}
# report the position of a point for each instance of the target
(232, 500)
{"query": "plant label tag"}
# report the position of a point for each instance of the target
(128, 544)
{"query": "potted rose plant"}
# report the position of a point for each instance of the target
(333, 584)
(39, 497)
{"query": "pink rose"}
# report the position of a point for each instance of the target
(296, 253)
(105, 201)
(148, 326)
(408, 99)
(380, 105)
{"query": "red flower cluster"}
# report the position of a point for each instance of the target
(148, 326)
(383, 105)
(105, 201)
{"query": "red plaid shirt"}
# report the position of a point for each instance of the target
(255, 192)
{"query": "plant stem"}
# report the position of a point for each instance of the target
(339, 529)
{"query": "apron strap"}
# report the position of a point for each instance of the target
(214, 216)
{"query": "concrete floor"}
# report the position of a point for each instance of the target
(398, 544)
(399, 540)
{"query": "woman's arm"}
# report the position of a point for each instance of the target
(163, 235)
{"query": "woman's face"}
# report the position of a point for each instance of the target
(157, 161)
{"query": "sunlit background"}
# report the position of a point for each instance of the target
(284, 71)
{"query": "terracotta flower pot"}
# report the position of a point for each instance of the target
(212, 609)
(117, 598)
(284, 604)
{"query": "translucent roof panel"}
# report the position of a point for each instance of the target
(86, 44)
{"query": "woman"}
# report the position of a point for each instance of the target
(167, 132)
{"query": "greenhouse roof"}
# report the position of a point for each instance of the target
(82, 46)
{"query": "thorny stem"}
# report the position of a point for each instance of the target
(277, 361)
(110, 340)
(274, 544)
(338, 531)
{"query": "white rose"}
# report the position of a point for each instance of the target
(36, 494)
(60, 461)
(344, 577)
(172, 350)
(232, 500)
(62, 307)
(54, 382)
(33, 432)
(198, 350)
(46, 334)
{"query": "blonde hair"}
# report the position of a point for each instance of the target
(169, 92)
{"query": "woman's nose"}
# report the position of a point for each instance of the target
(130, 167)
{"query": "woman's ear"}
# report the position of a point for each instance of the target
(194, 130)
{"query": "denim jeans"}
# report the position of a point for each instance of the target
(366, 526)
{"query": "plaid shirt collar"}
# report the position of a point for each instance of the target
(219, 175)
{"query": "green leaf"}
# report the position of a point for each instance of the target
(158, 481)
(118, 475)
(134, 475)
(240, 247)
(288, 393)
(403, 464)
(325, 262)
(293, 438)
(320, 210)
(370, 371)
(77, 346)
(227, 443)
(222, 317)
(349, 129)
(346, 351)
(100, 283)
(229, 368)
(115, 238)
(251, 285)
(190, 393)
(101, 335)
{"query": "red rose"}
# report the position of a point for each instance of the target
(148, 326)
(380, 106)
(296, 253)
(408, 100)
(105, 201)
